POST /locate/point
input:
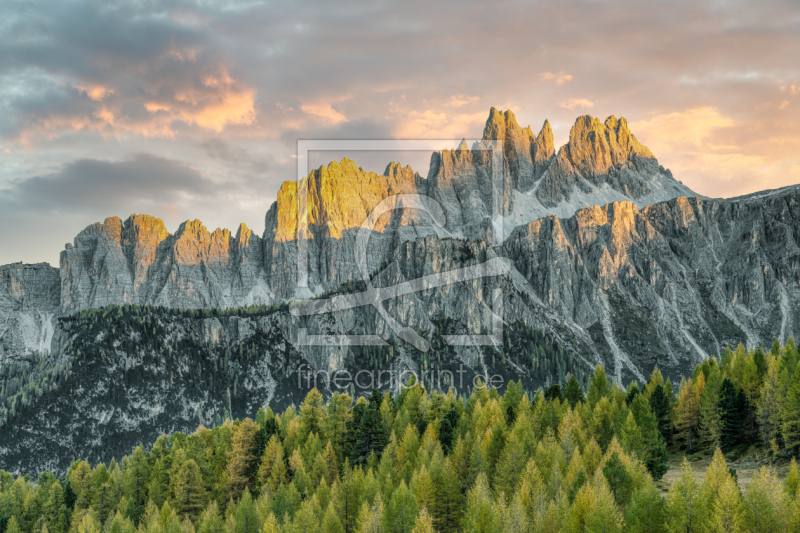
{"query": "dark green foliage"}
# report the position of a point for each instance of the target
(580, 480)
(573, 392)
(511, 400)
(553, 392)
(660, 404)
(760, 359)
(619, 479)
(544, 358)
(730, 413)
(633, 392)
(371, 434)
(447, 430)
(658, 461)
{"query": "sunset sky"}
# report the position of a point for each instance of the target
(186, 109)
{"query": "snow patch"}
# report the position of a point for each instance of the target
(528, 208)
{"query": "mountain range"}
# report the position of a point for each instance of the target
(610, 261)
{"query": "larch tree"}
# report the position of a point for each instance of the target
(763, 503)
(481, 515)
(245, 516)
(599, 386)
(791, 413)
(424, 523)
(606, 517)
(726, 514)
(710, 428)
(190, 492)
(331, 522)
(647, 512)
(240, 457)
(687, 408)
(339, 414)
(582, 509)
(792, 482)
(370, 519)
(401, 513)
(272, 471)
(514, 518)
(312, 415)
(771, 401)
(686, 511)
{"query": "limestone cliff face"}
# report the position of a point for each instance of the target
(110, 262)
(29, 299)
(139, 262)
(329, 206)
(695, 274)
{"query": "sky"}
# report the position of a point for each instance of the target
(193, 109)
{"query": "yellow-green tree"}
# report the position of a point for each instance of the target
(190, 492)
(686, 512)
(240, 457)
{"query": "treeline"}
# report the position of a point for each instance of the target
(97, 314)
(563, 459)
(750, 396)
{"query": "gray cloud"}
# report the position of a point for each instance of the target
(86, 183)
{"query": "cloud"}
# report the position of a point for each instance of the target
(560, 78)
(572, 103)
(695, 127)
(325, 112)
(143, 179)
(459, 100)
(240, 159)
(713, 152)
(95, 92)
(430, 124)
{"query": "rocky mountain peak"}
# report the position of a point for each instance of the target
(398, 172)
(596, 147)
(543, 150)
(243, 234)
(141, 227)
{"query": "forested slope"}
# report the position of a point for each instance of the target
(560, 460)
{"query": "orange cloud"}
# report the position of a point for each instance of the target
(694, 126)
(95, 92)
(560, 78)
(429, 124)
(576, 102)
(717, 155)
(217, 102)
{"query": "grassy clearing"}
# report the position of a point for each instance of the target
(745, 460)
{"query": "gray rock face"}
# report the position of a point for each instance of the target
(29, 299)
(139, 262)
